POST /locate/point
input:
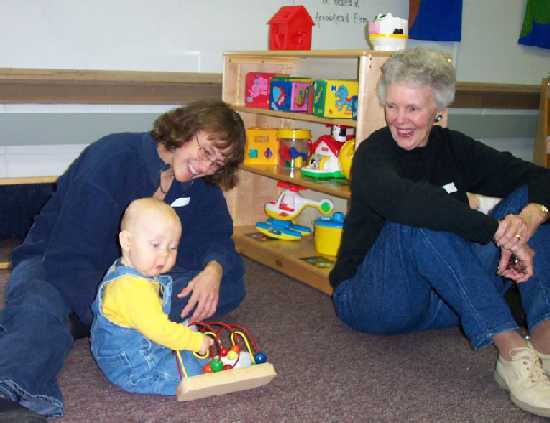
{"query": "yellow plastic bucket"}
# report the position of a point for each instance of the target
(328, 234)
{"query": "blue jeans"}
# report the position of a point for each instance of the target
(35, 336)
(416, 279)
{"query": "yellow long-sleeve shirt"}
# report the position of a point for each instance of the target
(134, 302)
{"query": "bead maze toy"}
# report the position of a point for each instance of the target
(241, 366)
(282, 213)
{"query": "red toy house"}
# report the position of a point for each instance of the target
(290, 29)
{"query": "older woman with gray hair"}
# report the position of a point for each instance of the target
(415, 255)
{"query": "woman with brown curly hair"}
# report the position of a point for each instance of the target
(191, 154)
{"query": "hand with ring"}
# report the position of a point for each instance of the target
(509, 234)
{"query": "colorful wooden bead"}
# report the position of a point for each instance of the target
(216, 365)
(260, 358)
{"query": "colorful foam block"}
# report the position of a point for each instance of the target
(257, 87)
(333, 98)
(291, 94)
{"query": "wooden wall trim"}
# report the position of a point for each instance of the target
(71, 86)
(496, 96)
(49, 86)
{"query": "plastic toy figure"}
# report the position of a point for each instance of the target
(323, 162)
(282, 212)
(388, 32)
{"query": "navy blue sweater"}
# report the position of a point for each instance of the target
(389, 183)
(76, 232)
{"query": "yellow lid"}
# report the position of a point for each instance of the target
(294, 133)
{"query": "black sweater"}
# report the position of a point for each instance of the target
(389, 183)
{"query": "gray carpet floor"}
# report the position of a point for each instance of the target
(326, 372)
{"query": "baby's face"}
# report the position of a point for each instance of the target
(154, 244)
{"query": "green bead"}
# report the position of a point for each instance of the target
(216, 365)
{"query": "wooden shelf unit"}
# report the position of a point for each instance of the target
(541, 150)
(258, 183)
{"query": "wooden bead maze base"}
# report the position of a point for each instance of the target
(225, 382)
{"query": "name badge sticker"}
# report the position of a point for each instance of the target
(180, 202)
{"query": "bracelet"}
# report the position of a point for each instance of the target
(544, 210)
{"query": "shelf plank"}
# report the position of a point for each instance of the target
(338, 188)
(351, 53)
(296, 116)
(284, 256)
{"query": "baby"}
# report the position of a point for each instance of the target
(132, 338)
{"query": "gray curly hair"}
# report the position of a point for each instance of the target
(422, 66)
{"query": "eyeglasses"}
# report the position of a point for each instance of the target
(209, 156)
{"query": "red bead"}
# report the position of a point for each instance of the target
(223, 352)
(206, 368)
(227, 366)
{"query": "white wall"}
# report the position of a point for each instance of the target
(164, 35)
(489, 50)
(190, 35)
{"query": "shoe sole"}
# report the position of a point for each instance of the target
(543, 412)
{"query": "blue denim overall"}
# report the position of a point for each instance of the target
(416, 279)
(126, 357)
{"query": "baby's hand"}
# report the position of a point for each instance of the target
(207, 342)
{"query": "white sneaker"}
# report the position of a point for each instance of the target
(523, 376)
